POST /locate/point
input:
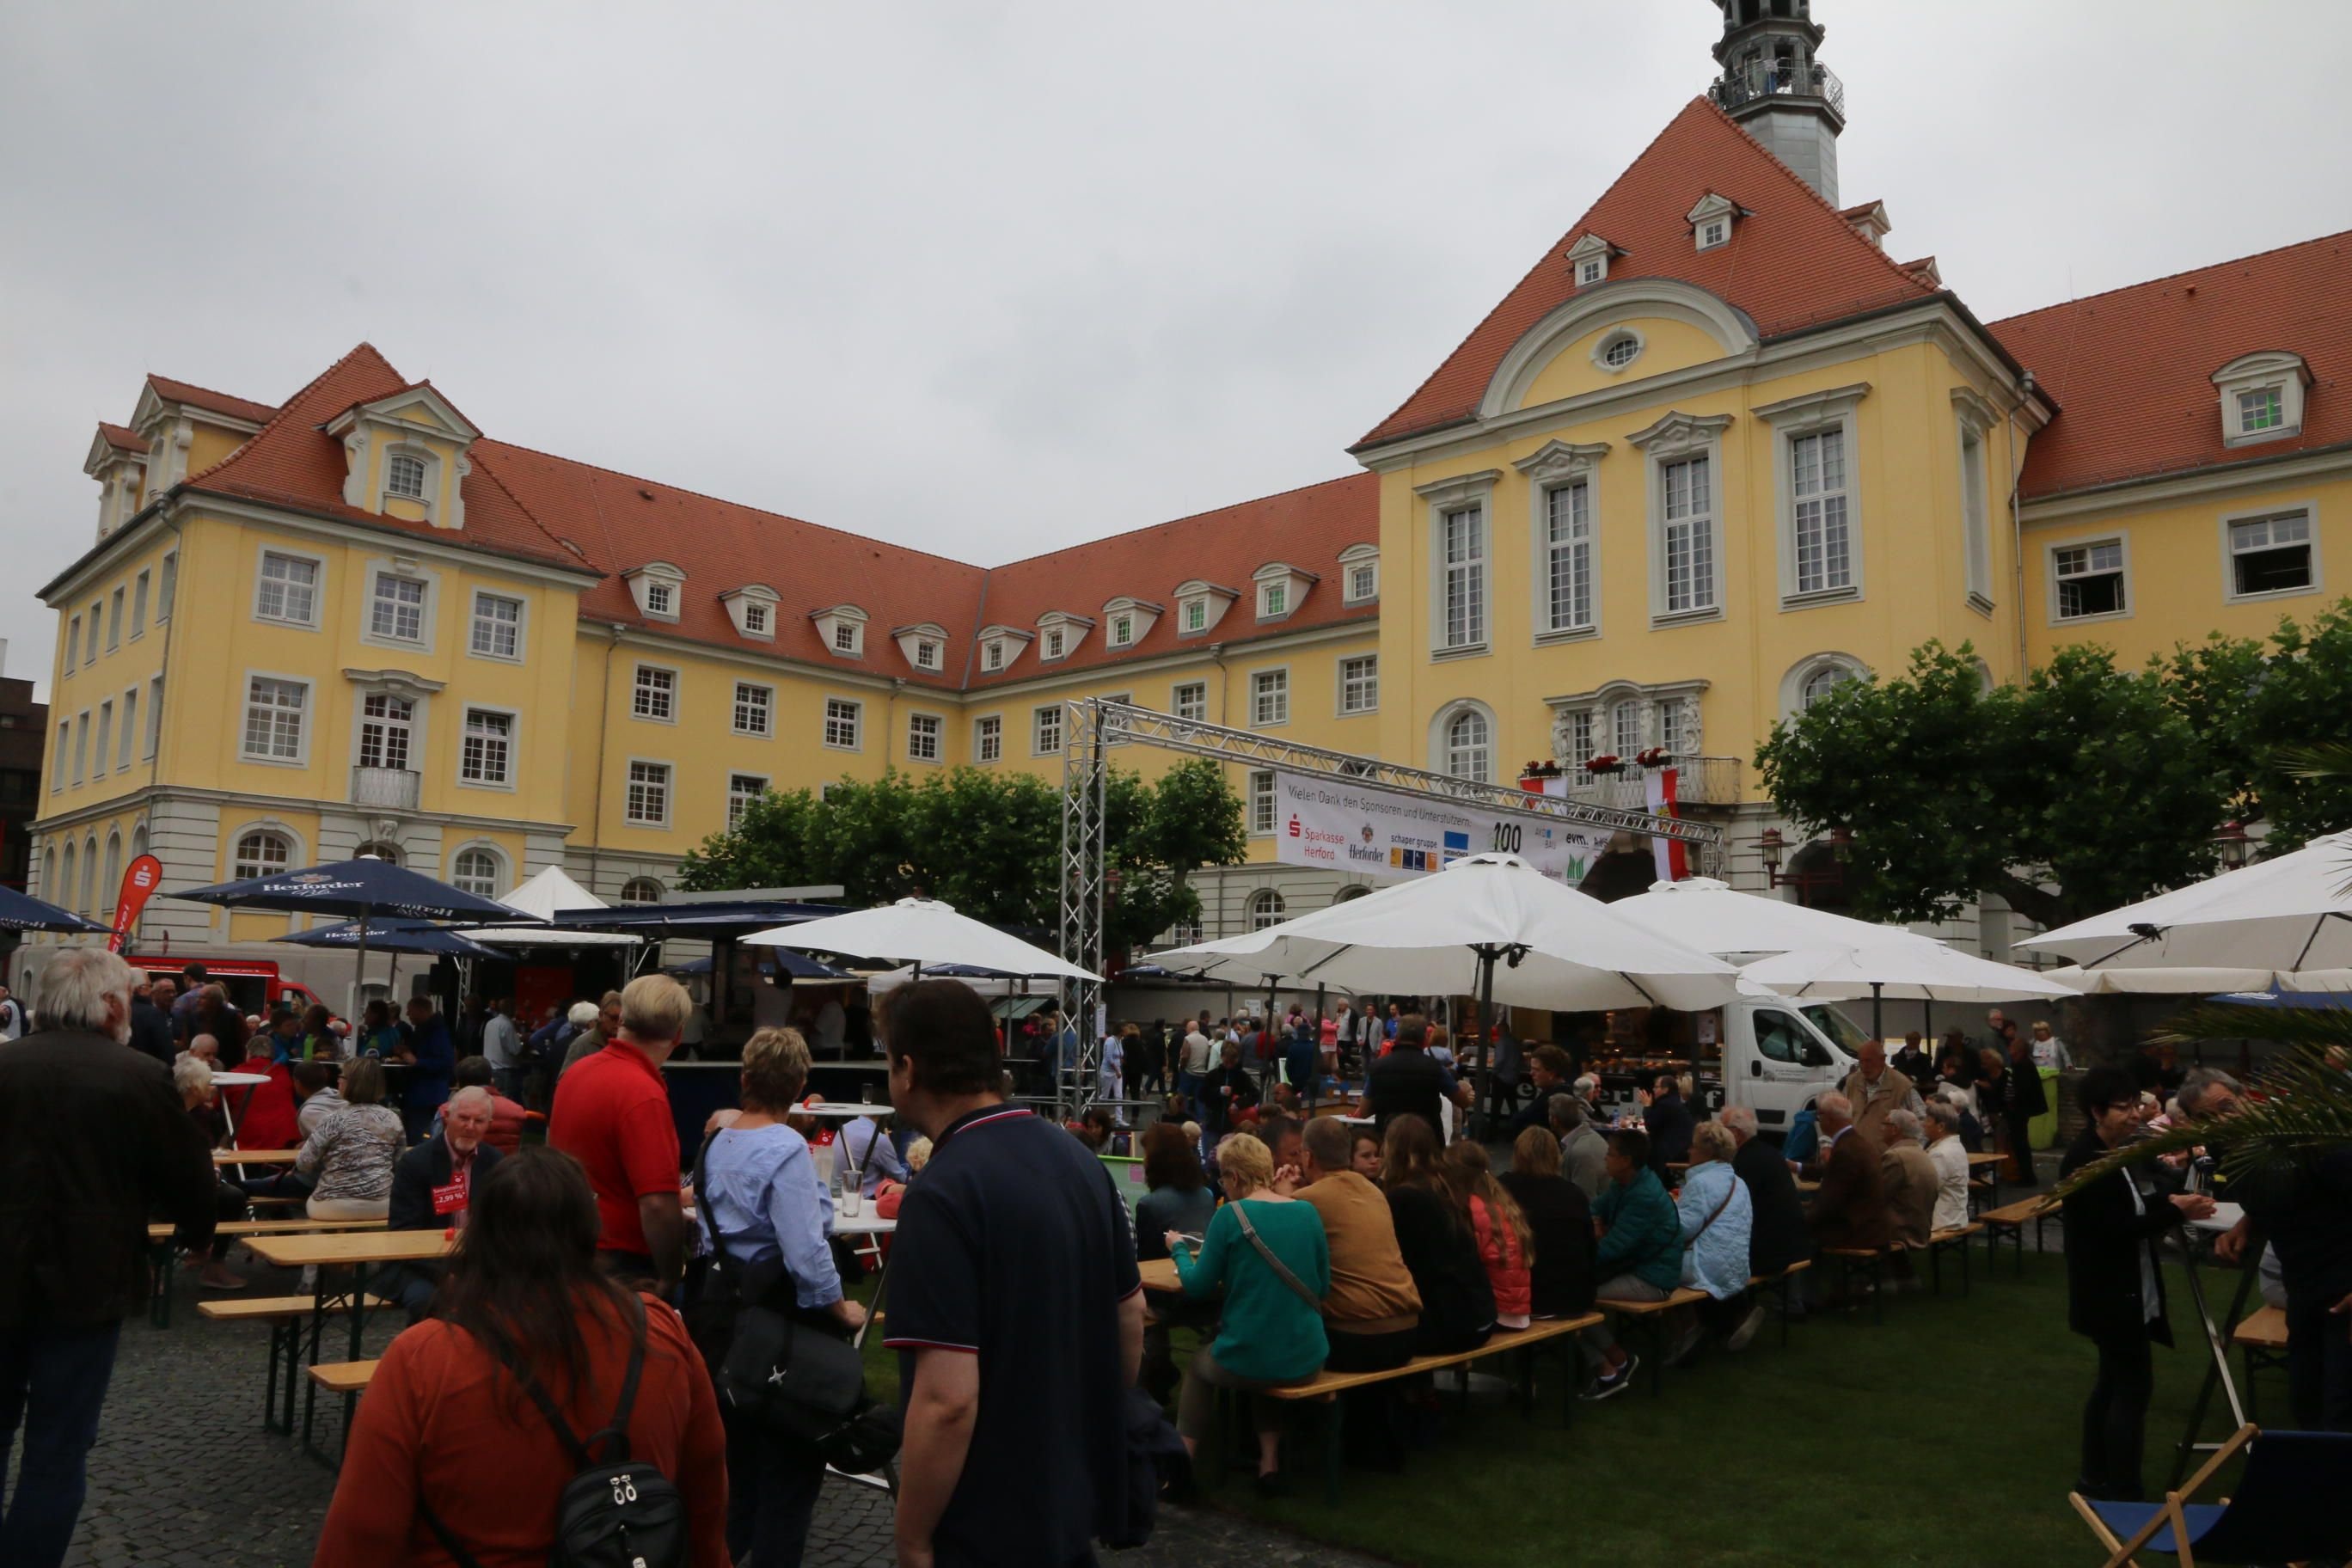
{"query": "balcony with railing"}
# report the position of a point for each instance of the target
(1745, 83)
(1699, 781)
(384, 789)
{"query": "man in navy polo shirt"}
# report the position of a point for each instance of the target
(1015, 1308)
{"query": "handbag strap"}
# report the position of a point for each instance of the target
(1281, 1270)
(1718, 1210)
(702, 1213)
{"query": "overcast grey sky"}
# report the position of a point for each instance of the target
(991, 281)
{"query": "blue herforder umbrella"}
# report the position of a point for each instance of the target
(22, 911)
(393, 936)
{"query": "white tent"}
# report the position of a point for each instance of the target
(1712, 916)
(1905, 968)
(920, 932)
(543, 895)
(2293, 912)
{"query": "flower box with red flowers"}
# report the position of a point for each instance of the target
(1655, 757)
(1603, 764)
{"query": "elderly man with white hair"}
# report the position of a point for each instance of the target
(93, 1129)
(1950, 1158)
(433, 1184)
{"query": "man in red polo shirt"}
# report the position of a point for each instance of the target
(612, 1114)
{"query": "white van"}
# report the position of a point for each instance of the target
(1775, 1057)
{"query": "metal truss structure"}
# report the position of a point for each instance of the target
(1093, 727)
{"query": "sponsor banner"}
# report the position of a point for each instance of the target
(1330, 822)
(140, 880)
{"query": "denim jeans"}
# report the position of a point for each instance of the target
(52, 1382)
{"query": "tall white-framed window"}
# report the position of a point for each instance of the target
(755, 709)
(2087, 580)
(81, 748)
(842, 718)
(1045, 731)
(988, 739)
(1359, 684)
(1269, 697)
(105, 735)
(114, 605)
(129, 728)
(1265, 909)
(497, 631)
(89, 648)
(260, 854)
(397, 608)
(1462, 551)
(1261, 801)
(1567, 573)
(288, 591)
(1470, 746)
(655, 694)
(1577, 735)
(486, 750)
(167, 583)
(1688, 486)
(476, 871)
(58, 775)
(154, 717)
(387, 729)
(1817, 492)
(2270, 554)
(275, 712)
(1975, 515)
(923, 737)
(404, 476)
(73, 644)
(139, 590)
(743, 789)
(648, 795)
(1625, 729)
(64, 892)
(1189, 699)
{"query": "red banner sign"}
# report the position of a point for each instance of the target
(140, 880)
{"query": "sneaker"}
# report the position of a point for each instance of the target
(1608, 1385)
(1686, 1348)
(1745, 1332)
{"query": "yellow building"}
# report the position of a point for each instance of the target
(1716, 451)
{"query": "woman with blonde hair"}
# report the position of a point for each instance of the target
(1505, 1248)
(1267, 1253)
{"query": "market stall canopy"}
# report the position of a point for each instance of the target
(1904, 969)
(545, 896)
(1713, 917)
(794, 967)
(1549, 945)
(393, 936)
(922, 932)
(2188, 982)
(702, 919)
(22, 911)
(2293, 912)
(362, 887)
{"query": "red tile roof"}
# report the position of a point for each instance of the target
(195, 396)
(2132, 369)
(123, 435)
(1302, 528)
(1792, 262)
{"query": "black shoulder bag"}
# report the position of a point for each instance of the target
(614, 1513)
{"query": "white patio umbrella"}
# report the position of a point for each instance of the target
(545, 895)
(1713, 917)
(2293, 912)
(920, 932)
(1906, 968)
(2202, 982)
(1489, 926)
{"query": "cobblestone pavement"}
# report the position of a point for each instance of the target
(184, 1476)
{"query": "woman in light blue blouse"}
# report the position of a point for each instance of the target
(759, 1188)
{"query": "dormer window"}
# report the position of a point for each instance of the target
(1000, 646)
(1360, 575)
(992, 658)
(2261, 396)
(923, 647)
(658, 587)
(1054, 641)
(1589, 257)
(660, 599)
(753, 607)
(1196, 615)
(404, 476)
(755, 619)
(841, 630)
(1122, 630)
(1200, 605)
(1059, 633)
(1711, 221)
(845, 637)
(1273, 599)
(927, 656)
(1128, 621)
(1281, 589)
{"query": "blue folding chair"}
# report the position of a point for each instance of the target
(2289, 1506)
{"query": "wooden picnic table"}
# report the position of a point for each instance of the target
(255, 1156)
(242, 1229)
(1160, 1274)
(357, 1250)
(1989, 1164)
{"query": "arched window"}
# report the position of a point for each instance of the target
(641, 891)
(1265, 910)
(261, 854)
(89, 893)
(377, 848)
(110, 886)
(1469, 749)
(476, 871)
(62, 892)
(1821, 682)
(1815, 677)
(49, 874)
(1349, 895)
(139, 841)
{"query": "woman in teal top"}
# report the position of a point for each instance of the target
(1271, 1333)
(1640, 1258)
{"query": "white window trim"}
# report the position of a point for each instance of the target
(1591, 251)
(318, 589)
(670, 793)
(978, 720)
(514, 749)
(2268, 370)
(939, 756)
(1184, 608)
(142, 600)
(1175, 703)
(1550, 466)
(676, 692)
(1438, 499)
(726, 800)
(1793, 682)
(1673, 438)
(1249, 804)
(301, 759)
(419, 705)
(2050, 549)
(1354, 559)
(1061, 730)
(501, 878)
(100, 763)
(522, 625)
(1815, 413)
(1339, 708)
(2230, 594)
(126, 708)
(734, 700)
(824, 723)
(167, 585)
(117, 606)
(1443, 720)
(152, 729)
(428, 502)
(73, 646)
(1288, 693)
(1973, 417)
(297, 851)
(428, 613)
(1622, 332)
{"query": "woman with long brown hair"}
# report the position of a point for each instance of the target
(1505, 1248)
(1457, 1303)
(449, 1432)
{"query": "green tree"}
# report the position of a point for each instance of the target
(2085, 788)
(987, 841)
(2260, 706)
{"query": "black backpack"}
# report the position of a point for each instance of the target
(616, 1513)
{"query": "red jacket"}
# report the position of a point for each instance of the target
(1506, 1261)
(264, 1111)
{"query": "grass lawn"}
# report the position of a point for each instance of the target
(1947, 1435)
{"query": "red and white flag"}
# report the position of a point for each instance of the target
(1672, 859)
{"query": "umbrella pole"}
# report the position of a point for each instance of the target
(1485, 1005)
(359, 970)
(1928, 1023)
(1877, 1032)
